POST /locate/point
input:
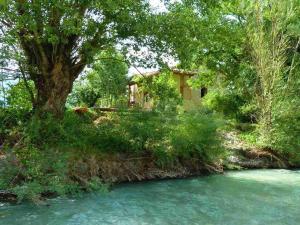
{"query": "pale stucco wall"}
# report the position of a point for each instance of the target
(191, 97)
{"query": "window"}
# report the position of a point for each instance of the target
(203, 92)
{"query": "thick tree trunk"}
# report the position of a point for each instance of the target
(53, 90)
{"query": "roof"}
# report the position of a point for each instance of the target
(158, 72)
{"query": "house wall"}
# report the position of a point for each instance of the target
(191, 97)
(138, 98)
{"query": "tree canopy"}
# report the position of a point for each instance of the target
(106, 80)
(59, 38)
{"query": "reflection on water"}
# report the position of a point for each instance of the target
(257, 197)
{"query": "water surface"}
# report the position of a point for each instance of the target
(256, 197)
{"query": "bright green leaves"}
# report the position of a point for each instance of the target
(162, 90)
(204, 78)
(18, 98)
(75, 25)
(3, 2)
(106, 81)
(108, 74)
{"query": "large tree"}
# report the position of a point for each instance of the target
(60, 37)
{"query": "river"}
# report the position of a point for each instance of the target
(254, 197)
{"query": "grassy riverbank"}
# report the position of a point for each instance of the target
(87, 151)
(90, 151)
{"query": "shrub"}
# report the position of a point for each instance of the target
(135, 132)
(50, 158)
(30, 173)
(227, 103)
(19, 99)
(232, 105)
(16, 111)
(11, 121)
(286, 131)
(196, 135)
(73, 131)
(144, 130)
(128, 132)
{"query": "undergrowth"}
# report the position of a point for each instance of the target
(47, 156)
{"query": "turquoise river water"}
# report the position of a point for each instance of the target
(254, 197)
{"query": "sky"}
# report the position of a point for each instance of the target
(158, 6)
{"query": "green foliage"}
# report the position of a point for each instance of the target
(32, 173)
(204, 78)
(214, 35)
(248, 112)
(144, 131)
(226, 103)
(8, 122)
(277, 71)
(196, 136)
(18, 98)
(161, 90)
(127, 132)
(16, 111)
(56, 23)
(286, 129)
(164, 135)
(250, 136)
(45, 160)
(109, 74)
(83, 94)
(232, 105)
(106, 80)
(74, 131)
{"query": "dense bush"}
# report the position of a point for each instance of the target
(19, 99)
(286, 130)
(196, 135)
(145, 130)
(31, 172)
(11, 121)
(73, 131)
(43, 159)
(232, 105)
(128, 132)
(40, 161)
(17, 110)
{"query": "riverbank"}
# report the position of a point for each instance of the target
(87, 153)
(117, 168)
(242, 155)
